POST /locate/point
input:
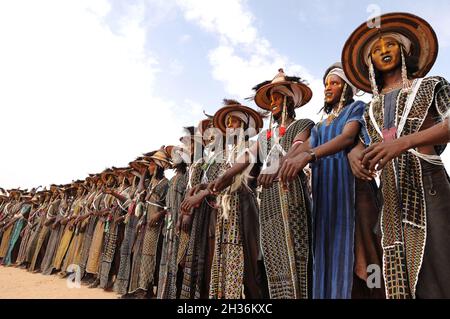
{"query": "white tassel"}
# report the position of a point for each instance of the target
(226, 206)
(406, 87)
(373, 81)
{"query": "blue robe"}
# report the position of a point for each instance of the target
(333, 190)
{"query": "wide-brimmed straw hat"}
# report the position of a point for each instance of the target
(161, 158)
(252, 118)
(169, 150)
(106, 173)
(415, 35)
(141, 162)
(293, 84)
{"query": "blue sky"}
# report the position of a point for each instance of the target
(99, 82)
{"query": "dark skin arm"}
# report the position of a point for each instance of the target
(83, 217)
(226, 179)
(120, 219)
(218, 185)
(292, 166)
(266, 180)
(194, 201)
(50, 221)
(184, 223)
(378, 155)
(299, 148)
(355, 157)
(116, 195)
(187, 201)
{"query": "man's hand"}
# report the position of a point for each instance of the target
(219, 184)
(292, 166)
(379, 154)
(266, 180)
(192, 191)
(360, 171)
(119, 219)
(186, 223)
(194, 201)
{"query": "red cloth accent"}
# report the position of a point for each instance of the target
(389, 134)
(132, 207)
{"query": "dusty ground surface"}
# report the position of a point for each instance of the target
(20, 284)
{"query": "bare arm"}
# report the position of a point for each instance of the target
(227, 178)
(300, 145)
(293, 165)
(380, 154)
(116, 195)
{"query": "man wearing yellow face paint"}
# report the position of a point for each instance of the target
(345, 210)
(284, 215)
(404, 139)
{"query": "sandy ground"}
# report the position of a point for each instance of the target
(16, 283)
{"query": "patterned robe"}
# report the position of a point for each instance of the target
(31, 225)
(43, 237)
(89, 234)
(228, 264)
(173, 243)
(13, 209)
(53, 241)
(151, 237)
(15, 236)
(67, 236)
(195, 279)
(123, 275)
(285, 227)
(95, 251)
(113, 236)
(404, 213)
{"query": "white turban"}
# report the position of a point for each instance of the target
(293, 92)
(340, 73)
(247, 119)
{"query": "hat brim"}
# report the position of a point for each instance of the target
(105, 176)
(262, 96)
(139, 165)
(220, 117)
(424, 46)
(157, 157)
(169, 149)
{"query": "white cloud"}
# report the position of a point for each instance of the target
(76, 97)
(244, 58)
(195, 109)
(226, 18)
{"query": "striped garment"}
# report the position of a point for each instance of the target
(333, 191)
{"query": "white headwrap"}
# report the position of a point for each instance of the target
(340, 73)
(247, 119)
(293, 92)
(397, 36)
